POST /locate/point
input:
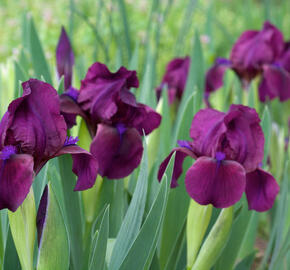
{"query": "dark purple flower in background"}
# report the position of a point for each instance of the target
(175, 79)
(30, 135)
(115, 119)
(256, 53)
(228, 148)
(64, 58)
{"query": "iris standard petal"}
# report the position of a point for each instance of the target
(85, 166)
(39, 130)
(181, 154)
(206, 128)
(16, 177)
(64, 58)
(220, 183)
(118, 152)
(101, 90)
(244, 137)
(261, 190)
(255, 48)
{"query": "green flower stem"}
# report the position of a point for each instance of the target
(215, 241)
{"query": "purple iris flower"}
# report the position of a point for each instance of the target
(256, 53)
(115, 119)
(64, 63)
(228, 148)
(175, 78)
(30, 135)
(64, 58)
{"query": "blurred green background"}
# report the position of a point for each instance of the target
(97, 31)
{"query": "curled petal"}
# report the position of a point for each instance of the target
(275, 83)
(64, 58)
(206, 128)
(215, 75)
(220, 183)
(181, 154)
(244, 136)
(118, 151)
(39, 130)
(101, 90)
(16, 177)
(85, 166)
(261, 190)
(255, 48)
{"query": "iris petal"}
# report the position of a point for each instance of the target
(181, 154)
(117, 154)
(261, 190)
(220, 183)
(16, 176)
(85, 166)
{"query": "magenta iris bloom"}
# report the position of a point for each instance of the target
(115, 119)
(256, 53)
(30, 135)
(175, 79)
(228, 148)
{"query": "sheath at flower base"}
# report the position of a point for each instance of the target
(175, 79)
(228, 148)
(114, 119)
(255, 53)
(31, 133)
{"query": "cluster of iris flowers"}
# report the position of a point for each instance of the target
(228, 148)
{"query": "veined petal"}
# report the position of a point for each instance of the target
(39, 130)
(261, 190)
(101, 90)
(181, 154)
(85, 166)
(16, 177)
(220, 183)
(206, 129)
(118, 152)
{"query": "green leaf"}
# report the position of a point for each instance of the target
(4, 226)
(20, 75)
(99, 243)
(266, 126)
(215, 241)
(132, 221)
(72, 211)
(247, 262)
(185, 27)
(23, 230)
(11, 259)
(37, 56)
(124, 19)
(53, 250)
(146, 240)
